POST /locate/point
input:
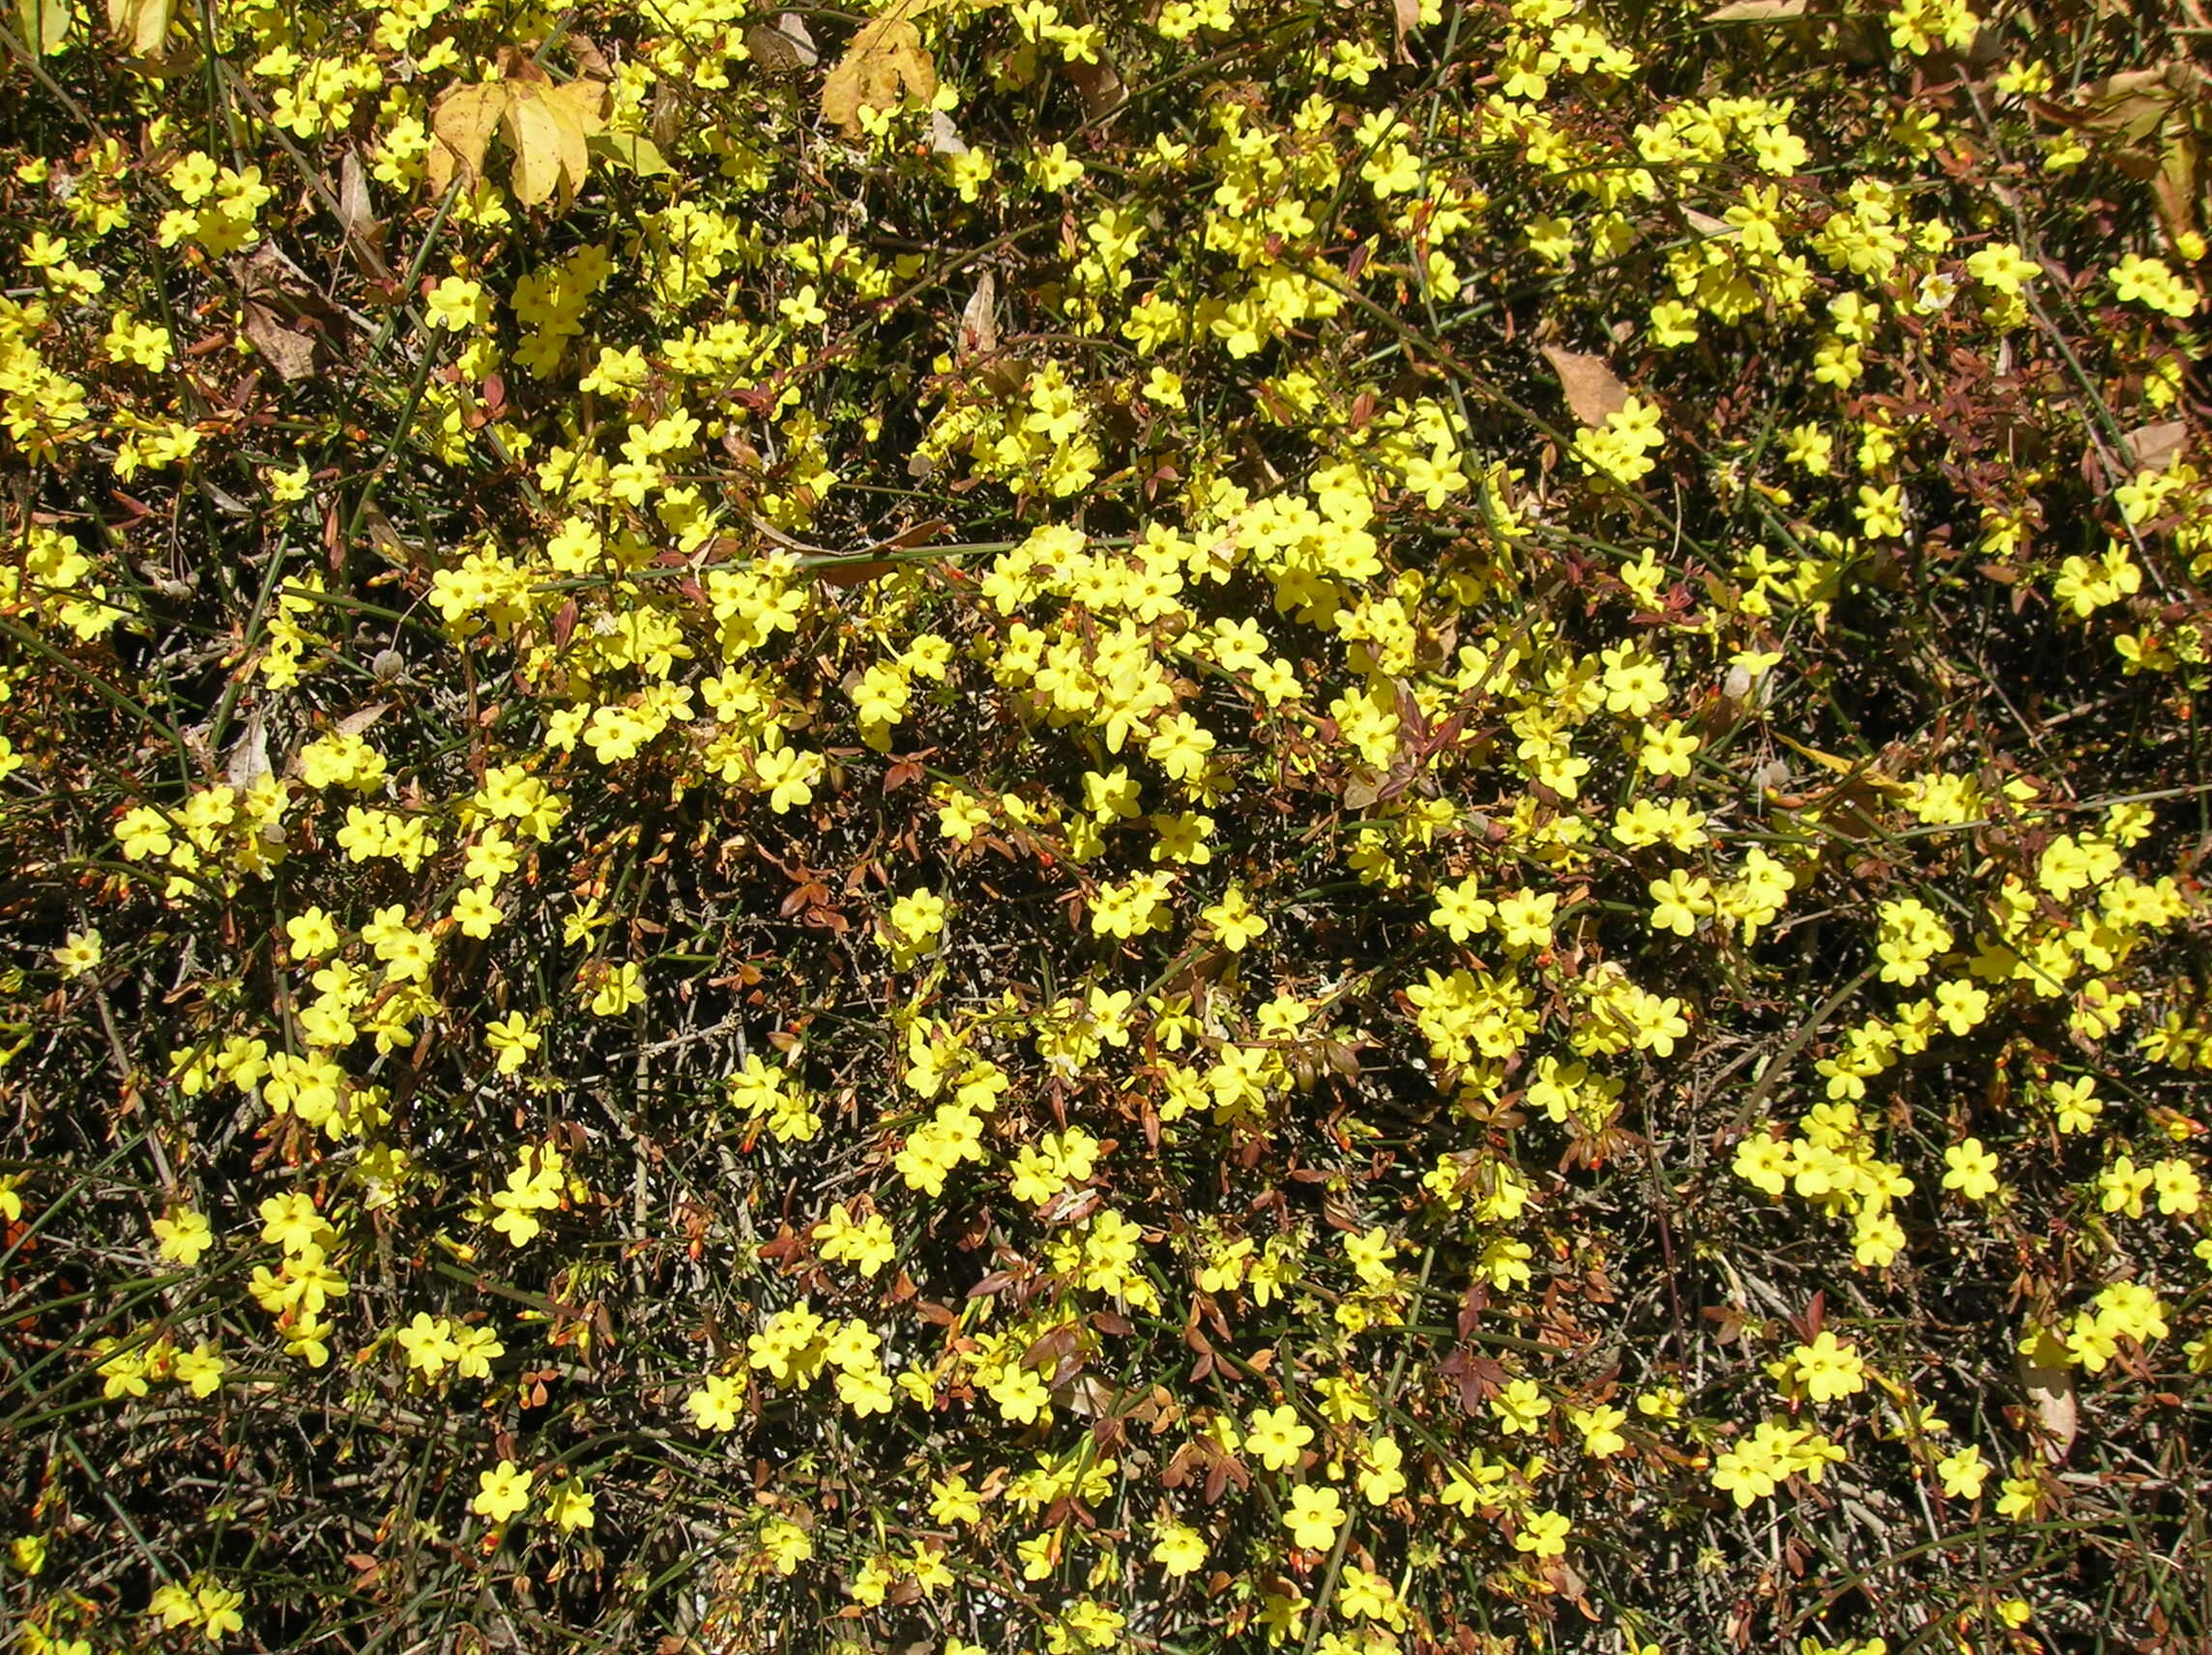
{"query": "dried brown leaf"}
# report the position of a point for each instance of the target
(1592, 389)
(249, 759)
(354, 722)
(633, 152)
(2133, 105)
(2174, 189)
(1404, 18)
(2152, 448)
(978, 331)
(291, 354)
(2051, 1393)
(781, 48)
(356, 216)
(591, 62)
(1100, 86)
(534, 136)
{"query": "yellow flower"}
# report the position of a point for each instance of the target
(1178, 1547)
(1382, 1481)
(291, 1222)
(173, 1606)
(502, 1492)
(1766, 1163)
(475, 1350)
(78, 955)
(802, 310)
(568, 1504)
(476, 912)
(201, 1370)
(619, 989)
(1973, 1170)
(511, 1040)
(1755, 1466)
(219, 1615)
(2016, 1497)
(1314, 1516)
(1233, 921)
(785, 1545)
(184, 1235)
(1829, 1369)
(1600, 1427)
(2150, 282)
(1543, 1533)
(714, 1405)
(1524, 918)
(428, 1344)
(952, 1500)
(458, 305)
(867, 1243)
(1277, 1436)
(1963, 1472)
(789, 774)
(312, 933)
(1519, 1406)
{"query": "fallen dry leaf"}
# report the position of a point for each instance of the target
(1099, 87)
(633, 151)
(2051, 1392)
(1592, 389)
(978, 331)
(249, 759)
(2152, 448)
(1404, 18)
(944, 136)
(2174, 189)
(2132, 105)
(550, 128)
(781, 48)
(291, 354)
(1755, 10)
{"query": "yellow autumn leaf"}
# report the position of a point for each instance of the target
(886, 58)
(549, 128)
(142, 25)
(44, 24)
(633, 151)
(462, 120)
(534, 135)
(1856, 770)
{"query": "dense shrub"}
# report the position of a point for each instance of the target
(1203, 826)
